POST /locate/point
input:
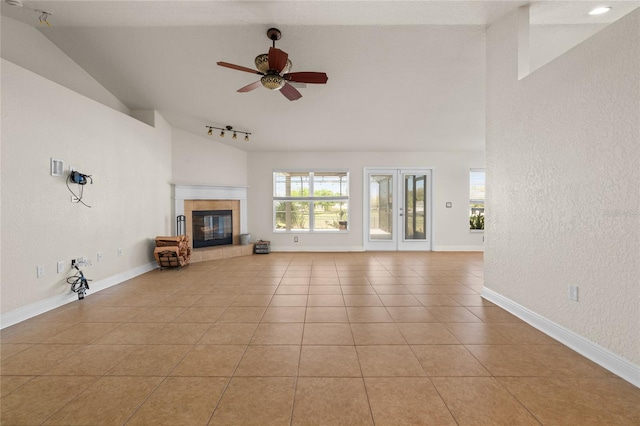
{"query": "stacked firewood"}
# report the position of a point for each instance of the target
(172, 251)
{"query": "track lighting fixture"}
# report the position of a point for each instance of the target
(228, 129)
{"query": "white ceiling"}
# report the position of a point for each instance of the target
(403, 75)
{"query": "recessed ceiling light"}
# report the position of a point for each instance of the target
(600, 10)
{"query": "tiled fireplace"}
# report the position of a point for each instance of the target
(205, 198)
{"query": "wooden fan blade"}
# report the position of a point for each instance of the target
(290, 92)
(277, 59)
(238, 67)
(307, 77)
(250, 87)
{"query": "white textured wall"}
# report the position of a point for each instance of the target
(201, 160)
(451, 183)
(563, 183)
(130, 197)
(24, 45)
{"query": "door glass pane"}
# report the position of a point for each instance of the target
(381, 207)
(415, 218)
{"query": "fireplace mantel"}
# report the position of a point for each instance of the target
(210, 192)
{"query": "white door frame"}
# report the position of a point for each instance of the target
(398, 241)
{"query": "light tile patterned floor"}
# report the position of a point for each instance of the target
(304, 338)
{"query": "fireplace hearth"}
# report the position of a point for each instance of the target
(212, 228)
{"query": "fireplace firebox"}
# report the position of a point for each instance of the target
(212, 228)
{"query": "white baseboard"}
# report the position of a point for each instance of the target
(34, 309)
(458, 248)
(596, 353)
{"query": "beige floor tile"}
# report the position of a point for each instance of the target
(10, 349)
(37, 359)
(591, 401)
(386, 288)
(210, 360)
(181, 400)
(295, 281)
(448, 360)
(325, 289)
(274, 360)
(33, 331)
(471, 300)
(219, 300)
(284, 314)
(368, 314)
(470, 333)
(10, 383)
(406, 401)
(523, 334)
(410, 314)
(242, 314)
(325, 300)
(317, 280)
(289, 300)
(563, 362)
(183, 300)
(157, 314)
(278, 334)
(493, 314)
(326, 314)
(331, 401)
(82, 333)
(150, 360)
(399, 300)
(453, 314)
(380, 361)
(357, 290)
(228, 334)
(355, 279)
(181, 333)
(108, 401)
(132, 333)
(377, 334)
(252, 300)
(201, 314)
(429, 300)
(293, 289)
(93, 360)
(35, 401)
(256, 400)
(481, 401)
(509, 360)
(362, 300)
(426, 334)
(329, 361)
(327, 334)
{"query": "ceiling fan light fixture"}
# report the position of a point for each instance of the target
(272, 81)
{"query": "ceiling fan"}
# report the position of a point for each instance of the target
(274, 68)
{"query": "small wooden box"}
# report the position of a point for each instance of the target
(262, 247)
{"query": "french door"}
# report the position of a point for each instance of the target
(397, 209)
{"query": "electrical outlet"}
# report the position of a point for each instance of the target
(40, 271)
(295, 239)
(60, 266)
(119, 252)
(99, 256)
(573, 293)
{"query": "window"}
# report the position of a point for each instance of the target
(316, 201)
(476, 199)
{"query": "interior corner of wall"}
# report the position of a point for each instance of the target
(147, 116)
(524, 54)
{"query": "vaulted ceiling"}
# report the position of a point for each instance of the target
(403, 75)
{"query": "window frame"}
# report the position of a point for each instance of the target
(311, 199)
(477, 200)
